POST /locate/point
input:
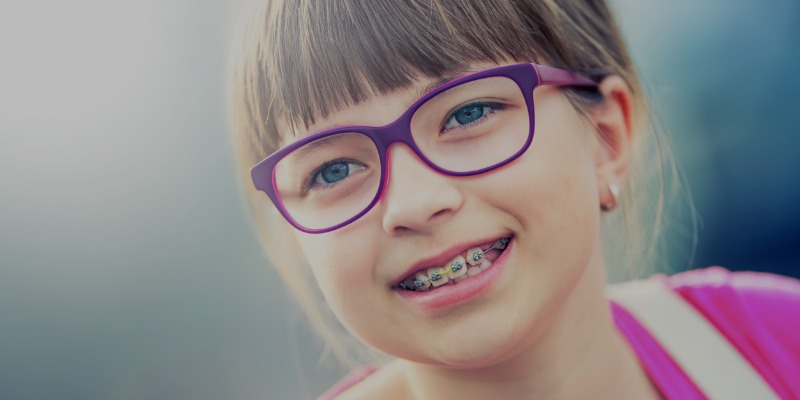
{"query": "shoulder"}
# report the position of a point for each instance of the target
(353, 378)
(755, 296)
(759, 307)
(759, 313)
(756, 304)
(370, 382)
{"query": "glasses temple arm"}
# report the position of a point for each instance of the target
(560, 77)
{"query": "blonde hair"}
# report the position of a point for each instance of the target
(304, 59)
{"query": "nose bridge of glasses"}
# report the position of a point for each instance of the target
(398, 131)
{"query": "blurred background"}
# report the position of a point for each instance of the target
(128, 268)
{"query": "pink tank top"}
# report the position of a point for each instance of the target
(758, 313)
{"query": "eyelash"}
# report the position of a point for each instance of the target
(493, 106)
(310, 184)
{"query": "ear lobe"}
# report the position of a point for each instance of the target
(613, 120)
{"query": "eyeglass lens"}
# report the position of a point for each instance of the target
(466, 128)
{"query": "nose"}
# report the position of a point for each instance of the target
(417, 198)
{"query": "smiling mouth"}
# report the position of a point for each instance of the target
(462, 267)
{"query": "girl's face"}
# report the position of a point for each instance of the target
(546, 202)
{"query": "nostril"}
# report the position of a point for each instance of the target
(440, 212)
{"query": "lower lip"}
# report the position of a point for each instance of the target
(463, 291)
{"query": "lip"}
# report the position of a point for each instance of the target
(445, 257)
(463, 291)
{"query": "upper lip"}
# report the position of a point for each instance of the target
(444, 257)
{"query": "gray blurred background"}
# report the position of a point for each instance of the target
(128, 269)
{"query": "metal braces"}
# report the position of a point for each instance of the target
(500, 245)
(476, 256)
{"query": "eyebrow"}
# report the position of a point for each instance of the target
(303, 151)
(447, 76)
(297, 135)
(444, 78)
(315, 144)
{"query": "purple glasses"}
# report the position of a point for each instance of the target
(465, 127)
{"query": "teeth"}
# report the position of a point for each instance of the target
(421, 282)
(455, 271)
(474, 255)
(457, 268)
(437, 276)
(472, 271)
(408, 283)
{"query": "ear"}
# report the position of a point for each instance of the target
(614, 121)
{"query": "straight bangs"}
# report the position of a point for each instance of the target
(320, 56)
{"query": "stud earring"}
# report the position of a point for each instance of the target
(612, 187)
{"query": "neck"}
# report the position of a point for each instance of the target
(580, 355)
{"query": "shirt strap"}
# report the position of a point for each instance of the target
(716, 367)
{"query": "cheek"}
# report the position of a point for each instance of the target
(552, 193)
(331, 261)
(555, 180)
(342, 264)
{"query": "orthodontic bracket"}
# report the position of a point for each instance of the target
(499, 245)
(457, 266)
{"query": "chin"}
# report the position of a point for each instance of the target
(478, 359)
(474, 348)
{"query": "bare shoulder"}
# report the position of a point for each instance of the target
(388, 382)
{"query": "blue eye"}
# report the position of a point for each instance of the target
(470, 114)
(333, 172)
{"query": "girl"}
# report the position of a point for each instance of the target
(395, 144)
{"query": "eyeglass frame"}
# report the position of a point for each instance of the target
(527, 76)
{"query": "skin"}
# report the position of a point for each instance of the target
(543, 330)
